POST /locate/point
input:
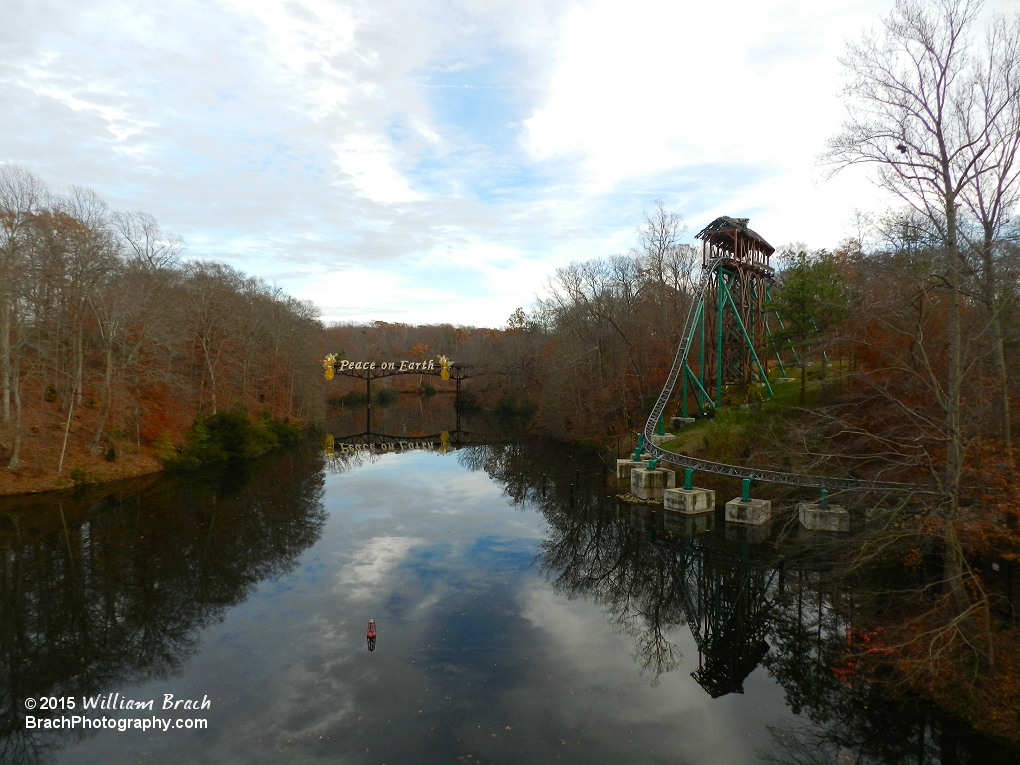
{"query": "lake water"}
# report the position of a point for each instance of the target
(522, 617)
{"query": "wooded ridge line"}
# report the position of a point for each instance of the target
(110, 338)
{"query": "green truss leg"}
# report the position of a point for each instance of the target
(747, 339)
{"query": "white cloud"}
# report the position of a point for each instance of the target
(649, 85)
(371, 564)
(415, 160)
(369, 161)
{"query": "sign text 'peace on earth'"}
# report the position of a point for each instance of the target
(404, 366)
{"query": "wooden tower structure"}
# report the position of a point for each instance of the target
(730, 329)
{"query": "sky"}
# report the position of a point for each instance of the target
(430, 161)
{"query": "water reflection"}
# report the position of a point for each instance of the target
(747, 603)
(492, 649)
(849, 720)
(106, 590)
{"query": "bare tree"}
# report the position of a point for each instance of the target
(598, 302)
(930, 111)
(146, 242)
(995, 190)
(916, 114)
(214, 294)
(22, 194)
(668, 265)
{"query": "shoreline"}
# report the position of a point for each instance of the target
(89, 470)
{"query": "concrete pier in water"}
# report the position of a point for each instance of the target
(689, 501)
(651, 484)
(816, 517)
(623, 467)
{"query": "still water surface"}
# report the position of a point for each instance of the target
(521, 619)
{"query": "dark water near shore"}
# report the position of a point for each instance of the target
(521, 619)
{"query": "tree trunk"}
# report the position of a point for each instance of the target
(5, 357)
(15, 459)
(954, 563)
(212, 382)
(67, 429)
(995, 322)
(953, 351)
(81, 357)
(107, 397)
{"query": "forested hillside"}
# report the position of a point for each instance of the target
(109, 338)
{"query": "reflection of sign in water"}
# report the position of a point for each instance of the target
(399, 445)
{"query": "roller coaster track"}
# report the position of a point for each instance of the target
(738, 471)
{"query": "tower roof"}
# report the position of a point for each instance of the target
(724, 232)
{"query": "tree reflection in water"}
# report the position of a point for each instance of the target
(108, 589)
(779, 605)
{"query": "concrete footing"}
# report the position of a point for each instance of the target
(659, 440)
(752, 512)
(623, 467)
(785, 379)
(650, 484)
(687, 525)
(675, 423)
(814, 517)
(689, 501)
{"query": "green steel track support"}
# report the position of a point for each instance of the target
(750, 344)
(701, 358)
(699, 389)
(775, 347)
(719, 336)
(699, 316)
(824, 357)
(683, 388)
(768, 329)
(783, 327)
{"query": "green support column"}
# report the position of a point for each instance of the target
(768, 330)
(750, 343)
(699, 390)
(701, 358)
(783, 327)
(683, 406)
(719, 336)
